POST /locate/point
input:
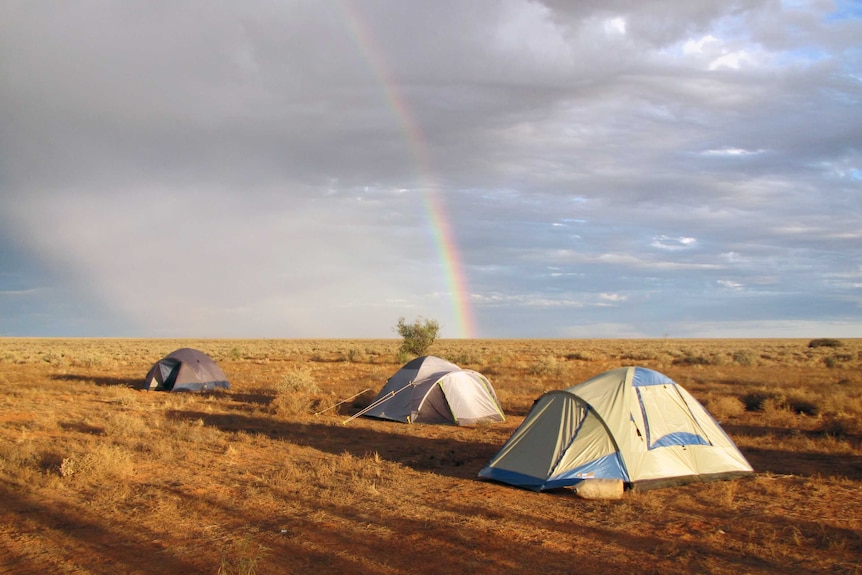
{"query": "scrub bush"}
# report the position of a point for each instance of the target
(824, 342)
(417, 336)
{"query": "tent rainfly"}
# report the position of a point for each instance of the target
(429, 389)
(185, 369)
(630, 424)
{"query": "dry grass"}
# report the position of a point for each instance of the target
(98, 478)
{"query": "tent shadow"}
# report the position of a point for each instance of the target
(100, 381)
(810, 464)
(129, 550)
(444, 456)
(257, 399)
(765, 430)
(795, 462)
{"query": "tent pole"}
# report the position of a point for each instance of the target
(383, 399)
(340, 402)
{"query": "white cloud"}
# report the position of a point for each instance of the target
(670, 243)
(731, 152)
(613, 297)
(705, 45)
(733, 60)
(615, 26)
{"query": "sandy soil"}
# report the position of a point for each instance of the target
(227, 484)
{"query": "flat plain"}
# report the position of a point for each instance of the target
(273, 476)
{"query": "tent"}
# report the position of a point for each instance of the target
(432, 390)
(630, 424)
(185, 369)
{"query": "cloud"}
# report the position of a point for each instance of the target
(258, 169)
(668, 243)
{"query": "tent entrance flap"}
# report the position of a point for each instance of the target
(170, 369)
(434, 407)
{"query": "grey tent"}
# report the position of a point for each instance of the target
(630, 424)
(432, 390)
(185, 369)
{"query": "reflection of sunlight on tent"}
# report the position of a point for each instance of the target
(432, 390)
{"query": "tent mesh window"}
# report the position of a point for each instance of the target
(665, 427)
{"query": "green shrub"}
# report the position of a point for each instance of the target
(417, 336)
(403, 356)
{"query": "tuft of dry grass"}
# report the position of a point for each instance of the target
(724, 407)
(102, 463)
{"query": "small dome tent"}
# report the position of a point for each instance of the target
(630, 424)
(429, 389)
(185, 369)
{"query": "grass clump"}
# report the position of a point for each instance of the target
(724, 406)
(842, 425)
(547, 367)
(691, 359)
(639, 356)
(763, 400)
(242, 558)
(825, 342)
(103, 462)
(837, 359)
(744, 357)
(295, 392)
(755, 400)
(298, 380)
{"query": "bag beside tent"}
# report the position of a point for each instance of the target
(429, 389)
(185, 369)
(631, 424)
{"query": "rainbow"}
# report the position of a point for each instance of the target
(444, 238)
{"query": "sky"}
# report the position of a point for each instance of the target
(507, 168)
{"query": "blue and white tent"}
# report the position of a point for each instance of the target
(631, 424)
